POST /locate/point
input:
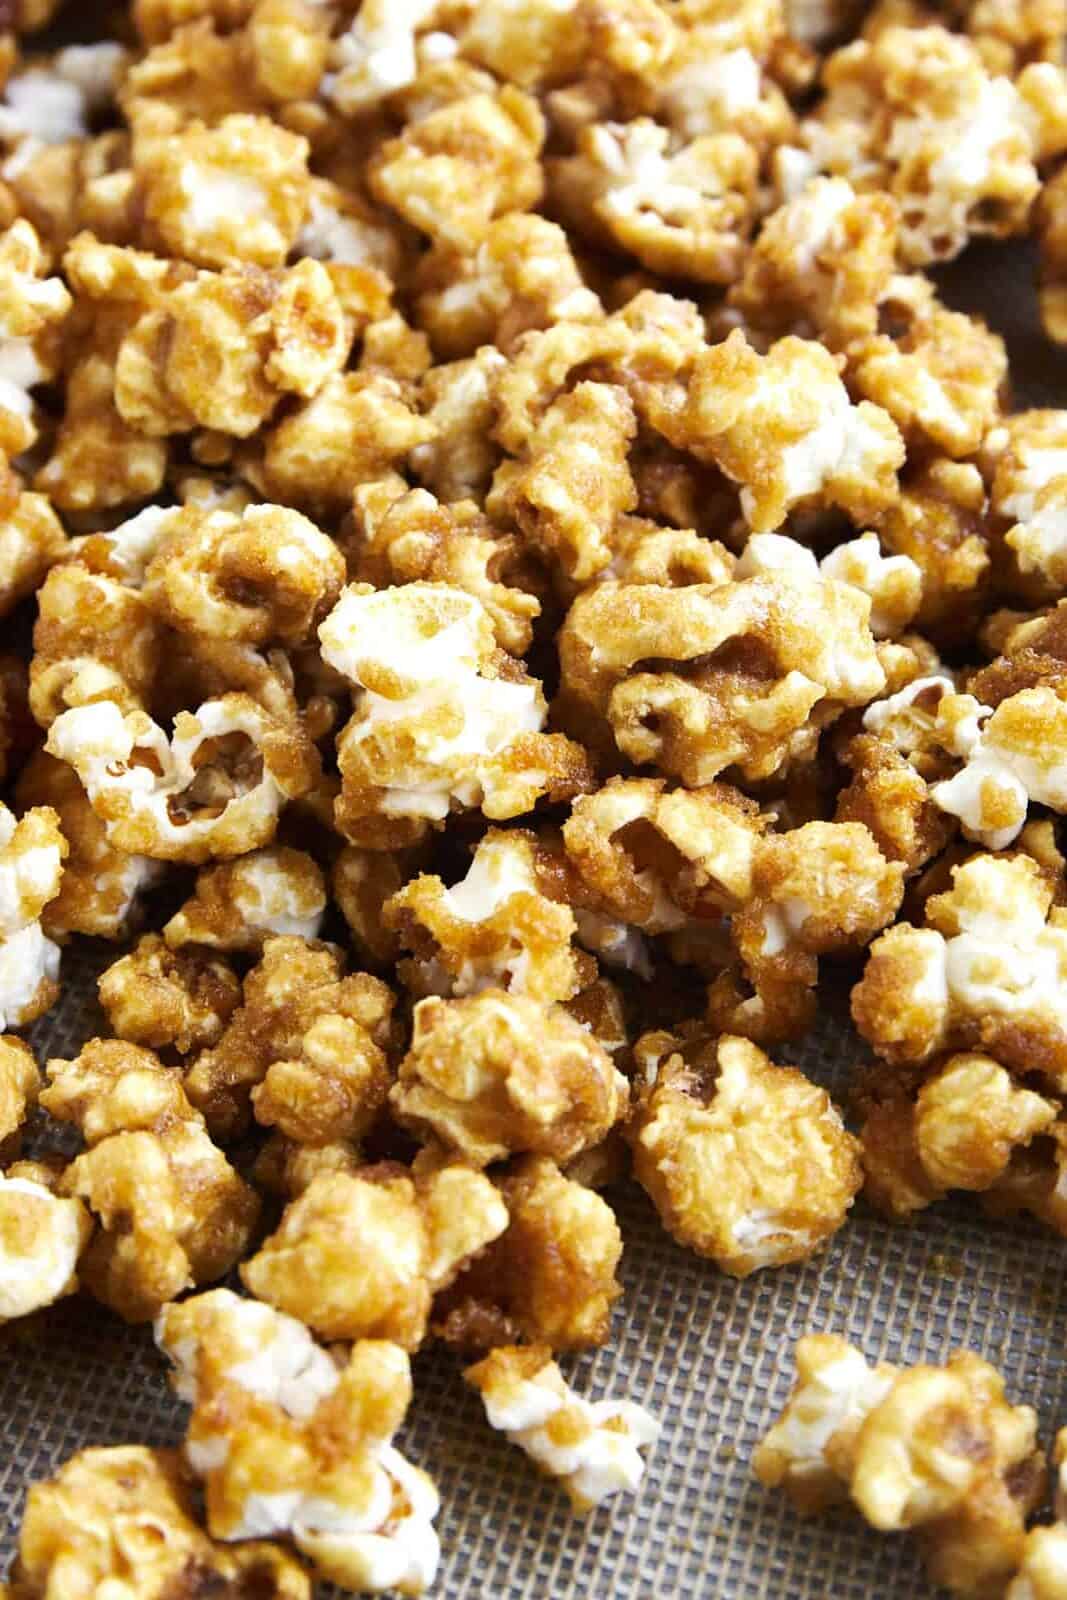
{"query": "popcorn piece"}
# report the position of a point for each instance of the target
(31, 539)
(984, 973)
(457, 462)
(939, 523)
(893, 802)
(32, 851)
(494, 1074)
(496, 927)
(685, 214)
(214, 789)
(1051, 220)
(41, 1238)
(707, 89)
(376, 55)
(94, 639)
(782, 426)
(361, 1255)
(170, 1210)
(362, 882)
(700, 679)
(52, 103)
(442, 718)
(747, 1163)
(290, 1442)
(156, 996)
(100, 886)
(19, 1085)
(1043, 1570)
(125, 1516)
(307, 1047)
(451, 172)
(894, 583)
(937, 1448)
(594, 1448)
(550, 1278)
(569, 494)
(240, 904)
(33, 309)
(1029, 492)
(961, 1132)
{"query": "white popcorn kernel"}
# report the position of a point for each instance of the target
(41, 1238)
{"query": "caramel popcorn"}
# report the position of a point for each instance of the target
(240, 904)
(497, 1073)
(361, 1255)
(32, 851)
(42, 1236)
(31, 539)
(938, 1449)
(291, 1443)
(594, 1448)
(306, 1049)
(33, 309)
(160, 997)
(169, 1209)
(122, 1519)
(19, 1085)
(746, 1162)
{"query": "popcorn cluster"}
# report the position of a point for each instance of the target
(514, 574)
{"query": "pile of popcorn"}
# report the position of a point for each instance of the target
(511, 573)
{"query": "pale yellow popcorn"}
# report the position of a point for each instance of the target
(746, 1162)
(442, 718)
(375, 56)
(361, 1255)
(266, 574)
(703, 678)
(343, 228)
(593, 1448)
(522, 276)
(892, 583)
(239, 904)
(406, 536)
(41, 1238)
(32, 851)
(33, 309)
(496, 1073)
(782, 426)
(31, 540)
(495, 928)
(933, 1448)
(569, 493)
(706, 89)
(170, 1211)
(960, 1132)
(686, 213)
(1042, 1573)
(451, 172)
(820, 264)
(288, 42)
(291, 1442)
(158, 997)
(986, 972)
(214, 789)
(527, 43)
(122, 1521)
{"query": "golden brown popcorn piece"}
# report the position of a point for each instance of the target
(700, 679)
(746, 1162)
(782, 426)
(674, 557)
(522, 276)
(496, 927)
(33, 309)
(31, 540)
(406, 536)
(893, 802)
(960, 1132)
(939, 374)
(361, 1255)
(315, 1040)
(549, 1279)
(100, 886)
(451, 172)
(32, 851)
(443, 717)
(985, 972)
(1051, 222)
(215, 788)
(288, 44)
(683, 214)
(268, 574)
(938, 1449)
(820, 265)
(713, 84)
(238, 905)
(940, 522)
(170, 1210)
(357, 429)
(362, 881)
(569, 492)
(1027, 460)
(124, 1516)
(291, 1442)
(458, 399)
(94, 638)
(19, 1085)
(594, 1448)
(495, 1074)
(42, 1236)
(160, 997)
(1044, 1561)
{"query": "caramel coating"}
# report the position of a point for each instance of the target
(159, 997)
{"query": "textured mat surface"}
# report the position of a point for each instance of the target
(711, 1357)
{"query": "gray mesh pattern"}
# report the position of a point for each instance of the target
(711, 1357)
